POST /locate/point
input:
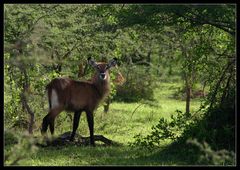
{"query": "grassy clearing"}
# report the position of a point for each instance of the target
(121, 124)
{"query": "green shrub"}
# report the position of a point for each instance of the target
(139, 85)
(216, 128)
(165, 130)
(24, 147)
(9, 138)
(210, 157)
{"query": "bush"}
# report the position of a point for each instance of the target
(138, 85)
(210, 157)
(165, 130)
(217, 128)
(23, 148)
(9, 138)
(213, 139)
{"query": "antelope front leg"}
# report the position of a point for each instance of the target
(91, 125)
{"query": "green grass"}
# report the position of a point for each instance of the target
(76, 156)
(121, 124)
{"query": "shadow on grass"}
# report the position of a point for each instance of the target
(73, 155)
(171, 155)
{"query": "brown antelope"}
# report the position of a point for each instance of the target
(78, 96)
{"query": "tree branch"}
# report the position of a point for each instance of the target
(200, 20)
(213, 96)
(63, 139)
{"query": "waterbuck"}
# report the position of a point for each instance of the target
(78, 96)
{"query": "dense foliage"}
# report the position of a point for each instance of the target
(153, 43)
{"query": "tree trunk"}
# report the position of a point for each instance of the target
(203, 88)
(188, 89)
(188, 81)
(226, 89)
(80, 70)
(148, 61)
(24, 100)
(188, 99)
(106, 105)
(30, 112)
(25, 85)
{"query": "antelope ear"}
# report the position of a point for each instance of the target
(112, 63)
(91, 62)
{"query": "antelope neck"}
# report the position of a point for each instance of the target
(102, 86)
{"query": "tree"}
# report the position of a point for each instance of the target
(207, 47)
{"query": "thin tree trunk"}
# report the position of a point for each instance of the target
(80, 70)
(24, 100)
(203, 88)
(30, 112)
(106, 105)
(19, 45)
(188, 85)
(188, 95)
(225, 90)
(188, 99)
(148, 61)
